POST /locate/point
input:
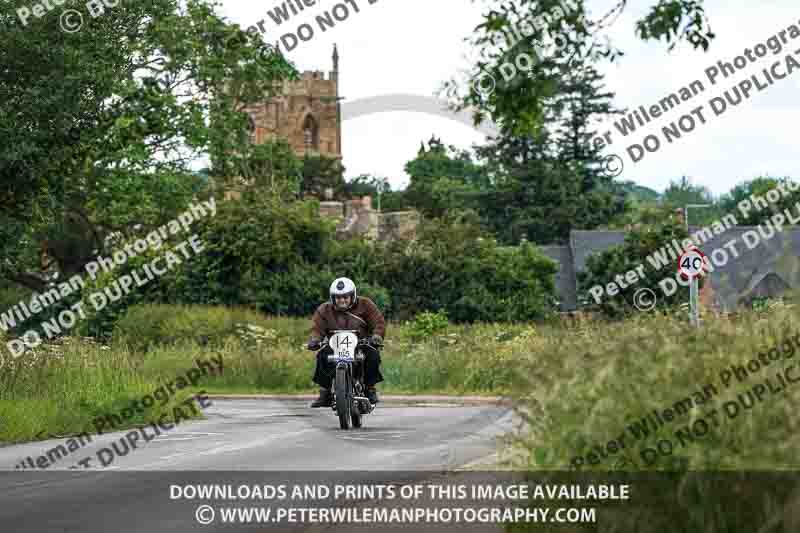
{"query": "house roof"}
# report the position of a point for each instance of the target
(585, 243)
(731, 282)
(565, 275)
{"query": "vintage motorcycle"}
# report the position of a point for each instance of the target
(349, 400)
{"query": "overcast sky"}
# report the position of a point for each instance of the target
(414, 46)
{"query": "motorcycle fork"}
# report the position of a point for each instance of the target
(349, 376)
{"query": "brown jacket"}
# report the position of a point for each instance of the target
(327, 318)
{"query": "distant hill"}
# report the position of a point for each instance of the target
(639, 192)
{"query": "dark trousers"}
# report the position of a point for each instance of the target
(323, 374)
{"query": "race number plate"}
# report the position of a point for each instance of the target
(344, 346)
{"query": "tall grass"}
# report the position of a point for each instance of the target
(62, 388)
(59, 390)
(584, 387)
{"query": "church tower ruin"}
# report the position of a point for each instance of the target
(307, 114)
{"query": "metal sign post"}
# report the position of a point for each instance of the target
(694, 308)
(694, 311)
(691, 265)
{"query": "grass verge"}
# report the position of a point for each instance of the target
(61, 388)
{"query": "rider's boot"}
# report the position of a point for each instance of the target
(372, 394)
(325, 398)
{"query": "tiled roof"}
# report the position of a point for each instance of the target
(732, 283)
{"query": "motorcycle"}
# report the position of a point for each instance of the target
(349, 400)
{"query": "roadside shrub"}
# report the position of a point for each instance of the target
(455, 267)
(601, 268)
(426, 324)
(251, 244)
(11, 295)
(295, 292)
(379, 295)
(103, 306)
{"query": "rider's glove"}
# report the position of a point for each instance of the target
(314, 345)
(376, 340)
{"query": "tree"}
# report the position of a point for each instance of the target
(760, 186)
(439, 161)
(271, 164)
(321, 173)
(107, 121)
(602, 268)
(455, 266)
(638, 192)
(560, 33)
(553, 180)
(682, 192)
(539, 198)
(442, 178)
(366, 185)
(376, 187)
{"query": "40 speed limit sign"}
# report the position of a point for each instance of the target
(692, 263)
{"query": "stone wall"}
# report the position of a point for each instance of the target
(398, 225)
(334, 210)
(356, 218)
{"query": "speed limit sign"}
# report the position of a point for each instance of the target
(692, 263)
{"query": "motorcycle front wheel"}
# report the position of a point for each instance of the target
(344, 399)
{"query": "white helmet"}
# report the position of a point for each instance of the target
(343, 287)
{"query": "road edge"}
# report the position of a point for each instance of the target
(385, 398)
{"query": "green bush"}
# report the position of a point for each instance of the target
(426, 324)
(455, 267)
(379, 295)
(280, 258)
(602, 268)
(11, 295)
(102, 313)
(296, 292)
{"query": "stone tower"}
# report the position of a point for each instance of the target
(307, 114)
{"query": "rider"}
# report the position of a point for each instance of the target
(346, 310)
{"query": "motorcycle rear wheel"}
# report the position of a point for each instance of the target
(344, 400)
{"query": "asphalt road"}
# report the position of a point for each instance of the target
(258, 441)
